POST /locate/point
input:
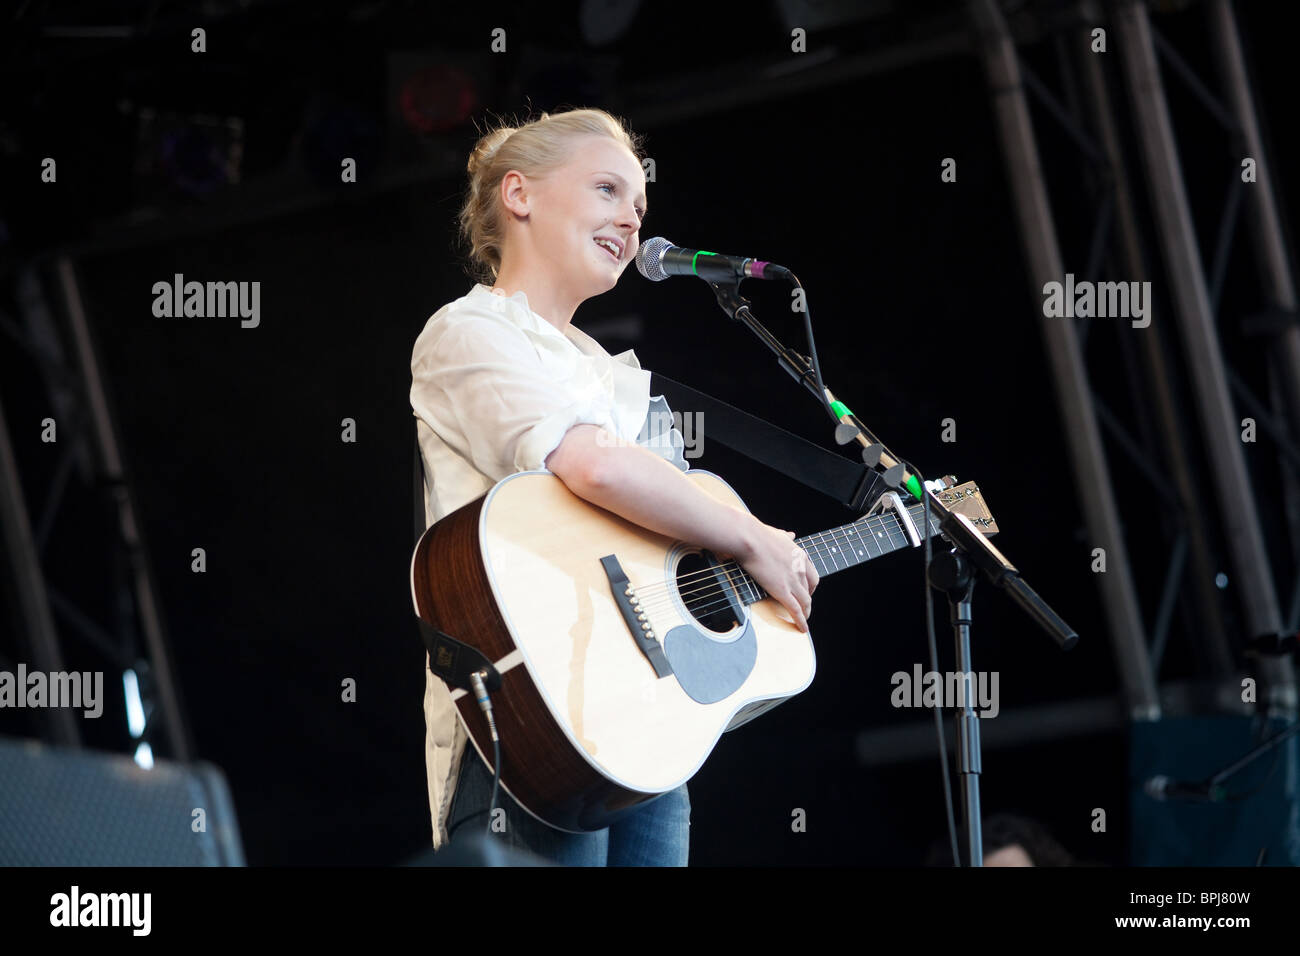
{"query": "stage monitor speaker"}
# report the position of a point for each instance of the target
(69, 807)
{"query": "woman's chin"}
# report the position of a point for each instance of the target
(608, 279)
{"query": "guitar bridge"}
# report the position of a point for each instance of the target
(630, 606)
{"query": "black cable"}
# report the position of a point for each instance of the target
(477, 681)
(929, 599)
(934, 666)
(492, 803)
(929, 555)
(812, 349)
(496, 775)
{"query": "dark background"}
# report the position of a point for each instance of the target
(920, 300)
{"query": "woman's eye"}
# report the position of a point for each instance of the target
(640, 213)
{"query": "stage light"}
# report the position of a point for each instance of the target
(436, 99)
(194, 155)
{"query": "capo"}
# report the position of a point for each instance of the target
(891, 499)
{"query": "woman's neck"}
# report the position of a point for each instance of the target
(543, 297)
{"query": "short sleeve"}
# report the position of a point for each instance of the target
(510, 408)
(661, 435)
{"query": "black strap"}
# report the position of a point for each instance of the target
(454, 660)
(849, 482)
(449, 658)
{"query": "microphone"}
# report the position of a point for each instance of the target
(657, 259)
(1164, 788)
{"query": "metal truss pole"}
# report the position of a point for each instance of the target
(1088, 459)
(1211, 633)
(1191, 300)
(1270, 245)
(1266, 231)
(109, 458)
(35, 623)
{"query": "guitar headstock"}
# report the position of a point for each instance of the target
(965, 499)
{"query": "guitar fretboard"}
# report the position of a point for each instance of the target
(843, 547)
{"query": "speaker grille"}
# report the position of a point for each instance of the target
(65, 807)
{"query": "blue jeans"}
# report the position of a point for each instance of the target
(657, 833)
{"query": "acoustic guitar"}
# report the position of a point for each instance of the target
(624, 655)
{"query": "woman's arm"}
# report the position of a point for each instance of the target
(642, 487)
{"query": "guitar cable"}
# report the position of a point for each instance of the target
(934, 665)
(929, 597)
(485, 704)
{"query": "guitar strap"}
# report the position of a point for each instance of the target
(849, 482)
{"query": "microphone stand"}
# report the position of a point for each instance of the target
(1212, 788)
(951, 572)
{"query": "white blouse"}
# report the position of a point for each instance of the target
(494, 389)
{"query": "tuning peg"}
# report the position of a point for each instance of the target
(845, 433)
(894, 474)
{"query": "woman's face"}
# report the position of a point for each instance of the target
(598, 194)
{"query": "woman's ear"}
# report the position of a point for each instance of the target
(514, 192)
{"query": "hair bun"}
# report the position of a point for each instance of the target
(487, 147)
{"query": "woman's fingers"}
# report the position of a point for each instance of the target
(800, 607)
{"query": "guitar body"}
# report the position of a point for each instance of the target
(588, 729)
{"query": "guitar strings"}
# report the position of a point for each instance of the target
(661, 596)
(821, 549)
(714, 595)
(663, 601)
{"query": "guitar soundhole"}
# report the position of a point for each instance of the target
(704, 598)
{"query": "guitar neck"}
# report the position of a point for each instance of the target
(843, 547)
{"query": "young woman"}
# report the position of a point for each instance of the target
(503, 382)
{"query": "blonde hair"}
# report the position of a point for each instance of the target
(534, 149)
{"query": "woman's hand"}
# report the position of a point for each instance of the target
(637, 484)
(783, 569)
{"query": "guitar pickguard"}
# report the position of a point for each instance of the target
(710, 670)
